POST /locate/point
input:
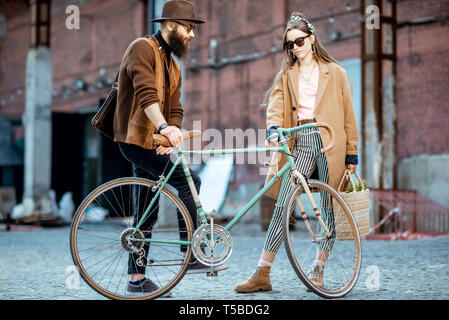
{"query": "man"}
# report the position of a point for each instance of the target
(148, 102)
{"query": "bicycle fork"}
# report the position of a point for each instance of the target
(297, 175)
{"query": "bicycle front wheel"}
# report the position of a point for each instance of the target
(100, 239)
(325, 262)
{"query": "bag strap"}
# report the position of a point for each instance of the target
(347, 173)
(360, 181)
(115, 83)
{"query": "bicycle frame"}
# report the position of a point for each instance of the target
(283, 148)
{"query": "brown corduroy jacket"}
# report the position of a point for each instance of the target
(141, 83)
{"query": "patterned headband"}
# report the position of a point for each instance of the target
(309, 25)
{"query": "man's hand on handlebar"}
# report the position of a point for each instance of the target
(161, 150)
(174, 135)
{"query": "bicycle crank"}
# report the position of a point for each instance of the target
(212, 250)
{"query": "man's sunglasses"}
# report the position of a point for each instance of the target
(188, 28)
(298, 41)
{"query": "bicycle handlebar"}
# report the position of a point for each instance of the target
(324, 125)
(161, 140)
(331, 135)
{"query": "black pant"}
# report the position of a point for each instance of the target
(147, 164)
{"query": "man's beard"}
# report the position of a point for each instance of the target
(179, 45)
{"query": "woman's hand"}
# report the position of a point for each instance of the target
(351, 167)
(271, 144)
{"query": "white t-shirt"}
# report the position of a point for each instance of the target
(307, 96)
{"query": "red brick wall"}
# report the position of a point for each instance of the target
(219, 97)
(230, 97)
(243, 27)
(106, 29)
(13, 55)
(423, 80)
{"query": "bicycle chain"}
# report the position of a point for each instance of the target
(139, 260)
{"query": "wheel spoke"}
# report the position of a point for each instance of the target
(342, 258)
(92, 240)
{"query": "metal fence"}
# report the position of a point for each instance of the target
(411, 215)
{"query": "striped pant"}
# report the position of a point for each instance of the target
(307, 157)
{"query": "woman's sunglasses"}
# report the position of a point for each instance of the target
(298, 41)
(188, 28)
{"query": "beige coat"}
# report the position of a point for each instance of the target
(334, 106)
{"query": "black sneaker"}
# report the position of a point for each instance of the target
(147, 286)
(196, 267)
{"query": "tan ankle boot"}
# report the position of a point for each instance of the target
(259, 281)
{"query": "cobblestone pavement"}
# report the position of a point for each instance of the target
(34, 264)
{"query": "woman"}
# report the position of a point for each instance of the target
(310, 87)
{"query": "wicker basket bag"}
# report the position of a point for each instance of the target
(358, 203)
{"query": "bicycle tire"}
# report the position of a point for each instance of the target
(299, 243)
(100, 228)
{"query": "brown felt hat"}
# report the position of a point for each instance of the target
(178, 10)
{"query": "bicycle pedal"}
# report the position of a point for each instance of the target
(212, 274)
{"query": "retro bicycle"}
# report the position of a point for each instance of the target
(101, 248)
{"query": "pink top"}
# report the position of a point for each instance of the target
(307, 96)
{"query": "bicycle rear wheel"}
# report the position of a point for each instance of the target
(103, 254)
(341, 259)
